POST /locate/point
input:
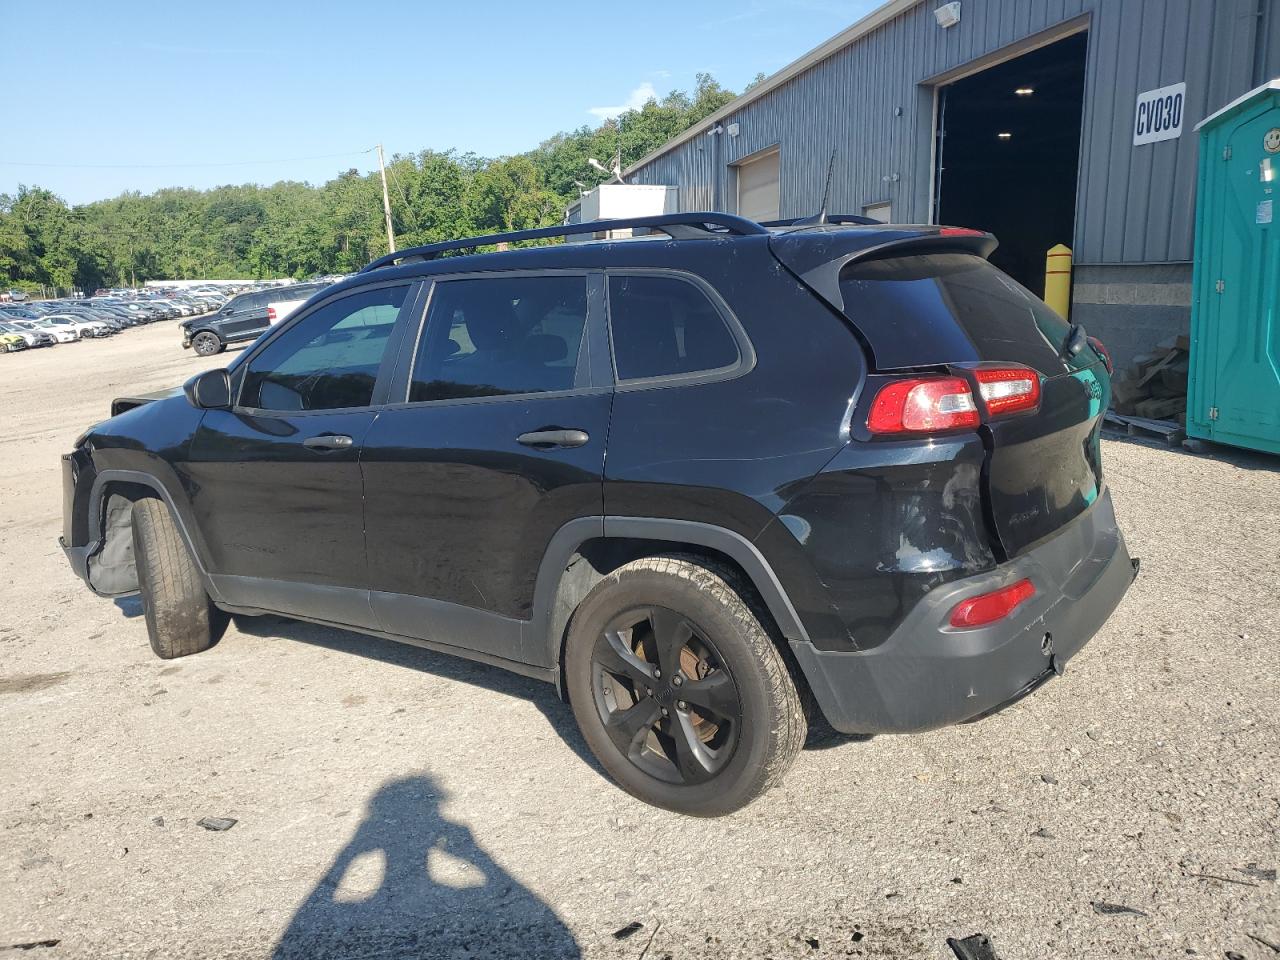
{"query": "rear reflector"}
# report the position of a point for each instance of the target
(1008, 389)
(989, 607)
(922, 405)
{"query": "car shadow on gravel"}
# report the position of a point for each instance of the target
(413, 883)
(541, 695)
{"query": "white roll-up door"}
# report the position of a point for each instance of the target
(758, 188)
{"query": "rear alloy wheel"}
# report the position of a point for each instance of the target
(206, 344)
(680, 691)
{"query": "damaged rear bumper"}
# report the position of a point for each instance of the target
(929, 674)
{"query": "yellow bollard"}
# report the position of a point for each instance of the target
(1057, 280)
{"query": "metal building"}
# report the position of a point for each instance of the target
(1044, 121)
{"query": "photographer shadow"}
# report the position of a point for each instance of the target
(413, 883)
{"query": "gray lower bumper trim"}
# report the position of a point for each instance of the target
(929, 675)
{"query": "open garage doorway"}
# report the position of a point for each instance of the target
(1008, 152)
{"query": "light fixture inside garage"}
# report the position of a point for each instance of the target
(1004, 135)
(1025, 91)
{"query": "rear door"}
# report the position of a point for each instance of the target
(497, 441)
(954, 310)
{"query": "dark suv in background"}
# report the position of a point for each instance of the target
(241, 318)
(706, 483)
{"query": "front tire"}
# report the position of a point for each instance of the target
(181, 619)
(679, 689)
(206, 344)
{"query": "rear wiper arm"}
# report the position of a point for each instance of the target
(1077, 340)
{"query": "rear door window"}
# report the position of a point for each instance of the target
(665, 326)
(499, 336)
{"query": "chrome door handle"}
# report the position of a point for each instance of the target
(328, 442)
(554, 438)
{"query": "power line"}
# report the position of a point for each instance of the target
(175, 166)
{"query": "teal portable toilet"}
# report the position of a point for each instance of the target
(1233, 393)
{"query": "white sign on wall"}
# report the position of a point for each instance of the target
(1158, 115)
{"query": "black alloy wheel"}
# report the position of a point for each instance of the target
(665, 697)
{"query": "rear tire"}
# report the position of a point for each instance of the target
(726, 718)
(206, 344)
(181, 619)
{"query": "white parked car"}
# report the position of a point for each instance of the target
(34, 338)
(86, 328)
(59, 334)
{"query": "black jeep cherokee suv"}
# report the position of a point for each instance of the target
(705, 483)
(240, 318)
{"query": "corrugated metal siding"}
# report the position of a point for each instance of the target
(1134, 204)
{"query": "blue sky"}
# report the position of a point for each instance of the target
(108, 97)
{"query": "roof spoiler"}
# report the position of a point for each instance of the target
(818, 258)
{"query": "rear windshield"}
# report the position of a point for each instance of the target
(939, 308)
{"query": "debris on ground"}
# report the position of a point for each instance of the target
(1257, 872)
(31, 945)
(1102, 907)
(629, 930)
(216, 823)
(974, 947)
(1042, 833)
(1214, 876)
(1263, 941)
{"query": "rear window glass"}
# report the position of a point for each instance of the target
(950, 308)
(665, 326)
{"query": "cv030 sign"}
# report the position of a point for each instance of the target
(1159, 114)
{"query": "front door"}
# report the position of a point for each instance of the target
(1244, 323)
(276, 482)
(500, 441)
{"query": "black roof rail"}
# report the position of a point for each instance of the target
(852, 218)
(678, 226)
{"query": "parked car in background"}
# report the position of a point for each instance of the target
(11, 342)
(16, 295)
(81, 325)
(33, 338)
(60, 334)
(242, 318)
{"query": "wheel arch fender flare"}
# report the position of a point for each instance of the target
(552, 613)
(179, 509)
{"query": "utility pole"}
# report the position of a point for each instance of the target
(386, 202)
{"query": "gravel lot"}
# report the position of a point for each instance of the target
(395, 802)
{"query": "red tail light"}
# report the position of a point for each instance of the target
(1100, 349)
(921, 405)
(1008, 389)
(989, 607)
(960, 232)
(271, 314)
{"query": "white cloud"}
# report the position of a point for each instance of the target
(638, 98)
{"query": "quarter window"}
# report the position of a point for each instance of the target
(664, 327)
(495, 336)
(329, 359)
